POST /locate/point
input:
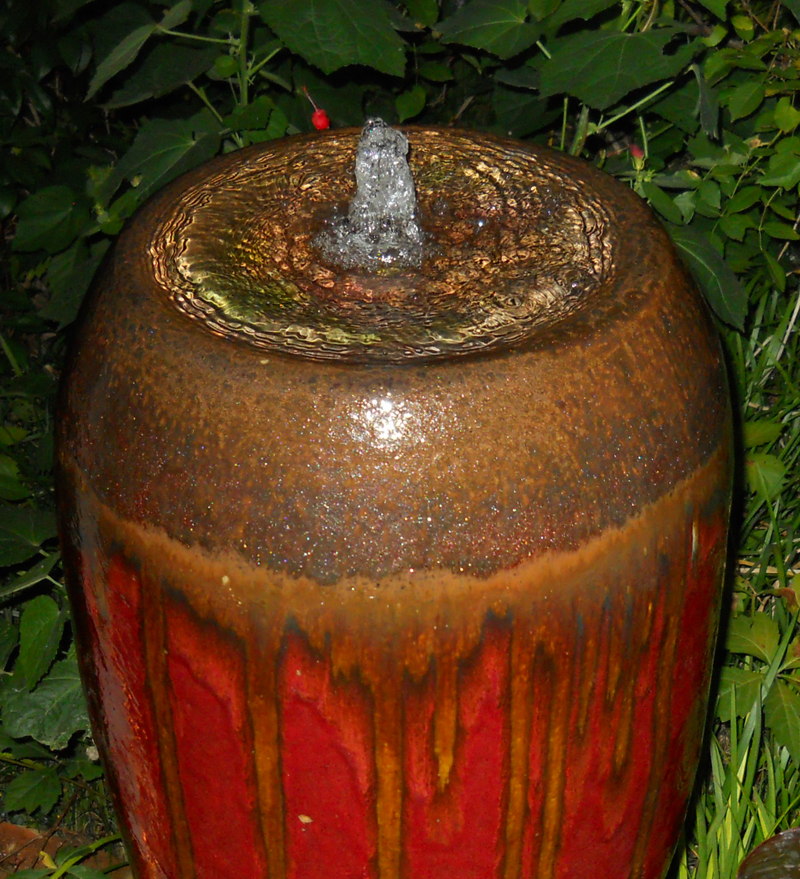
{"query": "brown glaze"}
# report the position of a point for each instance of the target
(440, 607)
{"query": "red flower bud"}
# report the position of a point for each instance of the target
(320, 121)
(636, 151)
(319, 118)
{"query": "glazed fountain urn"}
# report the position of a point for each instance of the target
(395, 532)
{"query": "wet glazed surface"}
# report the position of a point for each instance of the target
(400, 615)
(505, 252)
(543, 722)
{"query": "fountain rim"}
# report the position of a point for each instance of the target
(295, 339)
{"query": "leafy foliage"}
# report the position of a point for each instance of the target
(691, 102)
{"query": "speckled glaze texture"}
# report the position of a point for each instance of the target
(366, 597)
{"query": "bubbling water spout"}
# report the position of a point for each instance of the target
(381, 229)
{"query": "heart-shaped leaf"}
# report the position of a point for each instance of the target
(331, 34)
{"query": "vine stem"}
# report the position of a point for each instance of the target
(202, 95)
(654, 94)
(263, 61)
(244, 75)
(171, 33)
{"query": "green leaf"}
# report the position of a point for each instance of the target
(21, 750)
(540, 9)
(498, 26)
(709, 192)
(757, 637)
(786, 117)
(81, 767)
(53, 712)
(570, 10)
(39, 572)
(782, 231)
(124, 52)
(794, 7)
(783, 170)
(680, 106)
(709, 103)
(662, 202)
(69, 276)
(9, 638)
(716, 6)
(254, 115)
(761, 432)
(721, 287)
(176, 15)
(225, 66)
(519, 77)
(8, 198)
(277, 126)
(743, 25)
(51, 218)
(782, 716)
(746, 99)
(22, 531)
(336, 33)
(11, 487)
(745, 683)
(33, 789)
(736, 225)
(425, 12)
(165, 148)
(166, 68)
(410, 103)
(521, 113)
(743, 200)
(11, 434)
(435, 71)
(776, 271)
(764, 474)
(686, 204)
(783, 210)
(602, 67)
(40, 631)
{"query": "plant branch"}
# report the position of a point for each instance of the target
(244, 80)
(202, 95)
(171, 33)
(646, 99)
(257, 68)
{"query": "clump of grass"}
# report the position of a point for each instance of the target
(749, 786)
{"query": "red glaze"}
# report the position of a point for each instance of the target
(560, 743)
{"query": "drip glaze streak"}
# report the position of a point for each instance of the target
(543, 722)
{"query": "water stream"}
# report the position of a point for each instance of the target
(381, 228)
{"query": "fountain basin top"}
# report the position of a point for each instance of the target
(230, 389)
(514, 241)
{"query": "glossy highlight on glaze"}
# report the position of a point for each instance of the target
(450, 616)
